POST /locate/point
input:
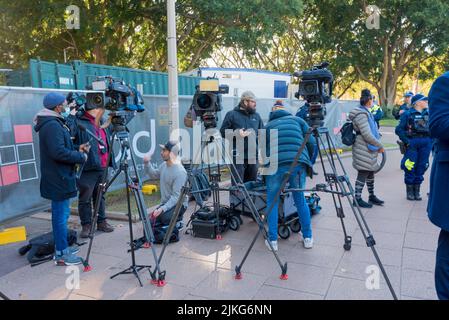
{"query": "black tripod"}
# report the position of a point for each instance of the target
(337, 185)
(120, 132)
(219, 144)
(3, 296)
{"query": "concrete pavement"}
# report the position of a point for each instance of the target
(204, 269)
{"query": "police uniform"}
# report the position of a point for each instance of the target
(404, 107)
(413, 130)
(438, 205)
(377, 113)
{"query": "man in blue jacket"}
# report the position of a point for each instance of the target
(438, 205)
(57, 162)
(413, 130)
(291, 131)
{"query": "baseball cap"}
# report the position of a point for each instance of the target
(419, 97)
(172, 146)
(409, 94)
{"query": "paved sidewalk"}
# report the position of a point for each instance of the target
(204, 269)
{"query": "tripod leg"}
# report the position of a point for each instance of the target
(4, 297)
(332, 181)
(349, 194)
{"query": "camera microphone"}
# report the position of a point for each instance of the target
(99, 140)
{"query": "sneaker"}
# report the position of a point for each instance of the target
(273, 243)
(68, 259)
(308, 243)
(105, 227)
(362, 203)
(72, 250)
(375, 200)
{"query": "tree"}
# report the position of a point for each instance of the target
(133, 33)
(410, 31)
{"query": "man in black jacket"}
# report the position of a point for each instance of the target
(239, 124)
(58, 158)
(93, 169)
(240, 127)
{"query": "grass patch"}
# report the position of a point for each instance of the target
(389, 122)
(116, 200)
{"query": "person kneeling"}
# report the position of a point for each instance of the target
(172, 177)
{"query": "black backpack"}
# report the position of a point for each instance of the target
(348, 133)
(159, 231)
(42, 248)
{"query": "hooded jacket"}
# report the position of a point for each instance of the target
(57, 156)
(291, 133)
(240, 119)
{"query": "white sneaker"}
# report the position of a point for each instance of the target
(308, 243)
(273, 243)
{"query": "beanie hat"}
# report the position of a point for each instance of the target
(418, 97)
(53, 99)
(247, 95)
(278, 105)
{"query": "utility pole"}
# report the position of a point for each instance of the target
(173, 99)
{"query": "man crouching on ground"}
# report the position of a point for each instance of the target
(172, 176)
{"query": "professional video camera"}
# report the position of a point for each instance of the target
(117, 96)
(207, 101)
(315, 87)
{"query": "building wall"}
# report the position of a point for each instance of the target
(262, 83)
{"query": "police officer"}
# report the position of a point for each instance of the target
(405, 106)
(413, 130)
(438, 206)
(377, 112)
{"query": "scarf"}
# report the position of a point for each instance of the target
(374, 129)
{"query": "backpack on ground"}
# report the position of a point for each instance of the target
(42, 248)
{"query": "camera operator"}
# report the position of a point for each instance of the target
(58, 158)
(291, 132)
(366, 147)
(304, 113)
(413, 130)
(93, 170)
(438, 206)
(172, 176)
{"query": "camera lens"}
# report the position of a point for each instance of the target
(204, 101)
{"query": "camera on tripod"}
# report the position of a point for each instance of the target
(207, 101)
(316, 86)
(117, 96)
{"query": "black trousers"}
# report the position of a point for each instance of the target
(165, 217)
(88, 188)
(246, 171)
(442, 266)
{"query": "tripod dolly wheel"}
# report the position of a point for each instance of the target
(347, 245)
(234, 223)
(284, 232)
(295, 226)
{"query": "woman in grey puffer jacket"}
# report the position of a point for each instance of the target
(365, 150)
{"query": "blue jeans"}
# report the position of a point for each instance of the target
(60, 211)
(296, 180)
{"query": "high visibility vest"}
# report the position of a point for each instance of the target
(374, 109)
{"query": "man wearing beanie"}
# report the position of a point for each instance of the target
(438, 206)
(239, 124)
(291, 131)
(58, 159)
(413, 130)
